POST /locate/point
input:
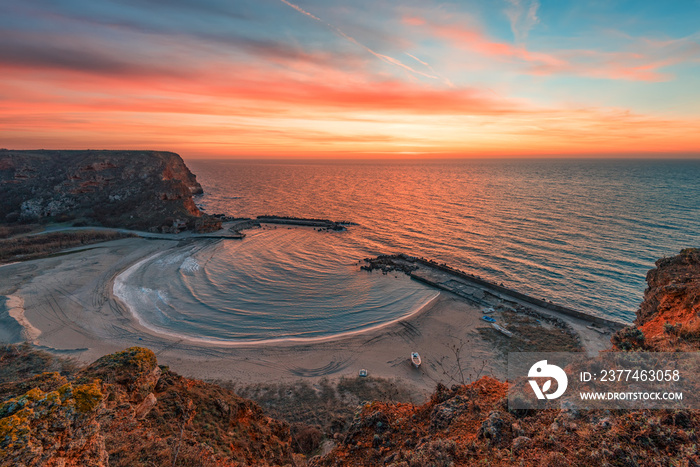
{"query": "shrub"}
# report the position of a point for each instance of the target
(305, 439)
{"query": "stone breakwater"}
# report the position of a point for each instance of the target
(238, 225)
(481, 292)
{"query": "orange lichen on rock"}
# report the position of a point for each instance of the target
(87, 396)
(669, 317)
(435, 433)
(125, 410)
(39, 426)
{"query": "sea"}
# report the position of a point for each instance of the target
(581, 233)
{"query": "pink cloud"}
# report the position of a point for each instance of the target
(642, 60)
(413, 20)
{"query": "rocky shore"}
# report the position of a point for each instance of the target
(592, 331)
(238, 225)
(149, 191)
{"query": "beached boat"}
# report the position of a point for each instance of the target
(488, 310)
(415, 359)
(488, 319)
(502, 330)
(363, 373)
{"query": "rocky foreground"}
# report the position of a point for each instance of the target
(125, 410)
(144, 190)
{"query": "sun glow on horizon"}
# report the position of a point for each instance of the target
(321, 79)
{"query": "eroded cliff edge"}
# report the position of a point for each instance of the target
(144, 190)
(668, 320)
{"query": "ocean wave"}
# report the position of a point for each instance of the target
(189, 266)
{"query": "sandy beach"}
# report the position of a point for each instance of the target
(67, 305)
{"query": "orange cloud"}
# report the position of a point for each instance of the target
(413, 21)
(307, 105)
(255, 115)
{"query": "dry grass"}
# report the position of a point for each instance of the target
(530, 335)
(19, 362)
(330, 406)
(39, 246)
(7, 231)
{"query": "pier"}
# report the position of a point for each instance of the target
(594, 331)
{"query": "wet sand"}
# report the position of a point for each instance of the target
(66, 305)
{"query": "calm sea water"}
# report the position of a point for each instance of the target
(581, 233)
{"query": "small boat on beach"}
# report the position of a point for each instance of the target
(415, 359)
(488, 319)
(363, 373)
(502, 330)
(486, 311)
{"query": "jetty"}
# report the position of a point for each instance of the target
(236, 226)
(304, 222)
(594, 331)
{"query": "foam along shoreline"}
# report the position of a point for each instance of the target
(72, 300)
(122, 291)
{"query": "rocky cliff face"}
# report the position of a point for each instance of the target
(133, 189)
(125, 410)
(669, 317)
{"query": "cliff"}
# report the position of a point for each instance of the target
(132, 189)
(669, 317)
(125, 410)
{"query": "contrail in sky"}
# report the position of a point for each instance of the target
(418, 60)
(447, 81)
(384, 58)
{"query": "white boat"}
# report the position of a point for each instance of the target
(502, 330)
(415, 359)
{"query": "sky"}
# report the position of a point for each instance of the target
(361, 78)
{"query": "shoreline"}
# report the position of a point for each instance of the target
(15, 308)
(120, 279)
(71, 300)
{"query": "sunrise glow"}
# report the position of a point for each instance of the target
(352, 79)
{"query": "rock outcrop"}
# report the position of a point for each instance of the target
(125, 410)
(669, 317)
(133, 189)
